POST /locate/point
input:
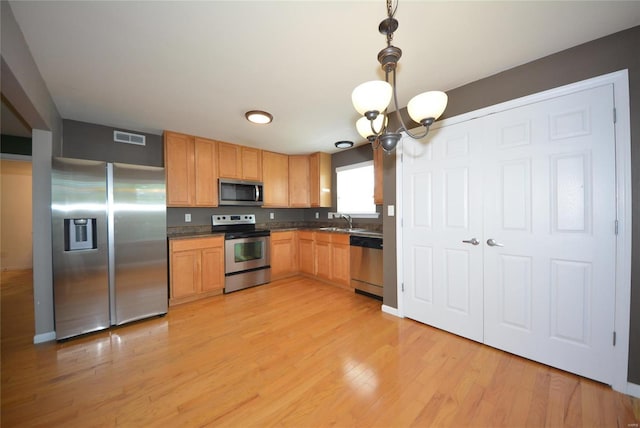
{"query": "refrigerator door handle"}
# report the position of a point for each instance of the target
(111, 244)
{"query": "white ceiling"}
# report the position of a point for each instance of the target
(196, 67)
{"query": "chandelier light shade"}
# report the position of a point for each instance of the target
(363, 125)
(427, 105)
(371, 99)
(372, 96)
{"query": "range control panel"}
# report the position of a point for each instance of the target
(231, 219)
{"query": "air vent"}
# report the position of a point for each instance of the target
(128, 138)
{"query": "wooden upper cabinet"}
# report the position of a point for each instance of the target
(299, 181)
(320, 179)
(229, 160)
(206, 173)
(179, 155)
(378, 158)
(191, 170)
(275, 177)
(239, 162)
(251, 163)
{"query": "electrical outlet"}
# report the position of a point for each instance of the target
(317, 215)
(187, 218)
(272, 216)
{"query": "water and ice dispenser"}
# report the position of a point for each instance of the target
(79, 234)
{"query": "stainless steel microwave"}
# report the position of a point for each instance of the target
(239, 192)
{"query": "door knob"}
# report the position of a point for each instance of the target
(492, 243)
(472, 241)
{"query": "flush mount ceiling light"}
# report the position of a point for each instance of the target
(371, 99)
(258, 116)
(344, 144)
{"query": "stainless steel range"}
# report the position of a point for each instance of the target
(246, 251)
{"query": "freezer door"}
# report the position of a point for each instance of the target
(140, 237)
(79, 245)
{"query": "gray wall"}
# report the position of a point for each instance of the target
(612, 53)
(83, 140)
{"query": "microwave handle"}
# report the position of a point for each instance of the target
(257, 193)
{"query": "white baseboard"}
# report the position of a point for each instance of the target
(44, 337)
(633, 389)
(391, 311)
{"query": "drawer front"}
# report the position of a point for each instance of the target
(282, 236)
(340, 238)
(306, 234)
(196, 243)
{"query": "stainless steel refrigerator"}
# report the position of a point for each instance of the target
(109, 244)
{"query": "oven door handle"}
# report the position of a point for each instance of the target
(257, 193)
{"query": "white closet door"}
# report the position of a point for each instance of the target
(550, 200)
(442, 190)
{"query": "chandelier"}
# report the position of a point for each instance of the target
(371, 99)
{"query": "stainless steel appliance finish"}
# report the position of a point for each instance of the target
(366, 265)
(247, 253)
(109, 244)
(239, 192)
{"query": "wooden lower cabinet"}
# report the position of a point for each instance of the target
(284, 252)
(306, 252)
(332, 255)
(340, 259)
(196, 268)
(323, 255)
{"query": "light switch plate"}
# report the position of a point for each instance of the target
(187, 218)
(391, 210)
(272, 216)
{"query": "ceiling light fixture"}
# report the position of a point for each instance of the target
(344, 144)
(371, 99)
(258, 116)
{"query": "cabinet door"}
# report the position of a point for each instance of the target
(185, 273)
(229, 160)
(212, 269)
(206, 173)
(251, 164)
(340, 266)
(306, 252)
(275, 176)
(179, 169)
(299, 181)
(323, 256)
(283, 254)
(320, 179)
(378, 196)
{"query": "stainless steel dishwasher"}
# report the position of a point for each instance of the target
(366, 265)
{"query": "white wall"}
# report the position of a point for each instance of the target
(15, 215)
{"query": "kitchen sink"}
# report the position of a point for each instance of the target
(358, 231)
(341, 229)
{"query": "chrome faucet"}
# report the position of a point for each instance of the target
(348, 218)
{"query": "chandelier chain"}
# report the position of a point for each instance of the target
(391, 11)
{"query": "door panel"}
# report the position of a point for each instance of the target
(443, 188)
(549, 290)
(535, 185)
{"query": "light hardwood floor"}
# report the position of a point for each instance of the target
(296, 353)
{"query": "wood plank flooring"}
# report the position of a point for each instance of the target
(294, 353)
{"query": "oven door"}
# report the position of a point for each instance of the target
(246, 253)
